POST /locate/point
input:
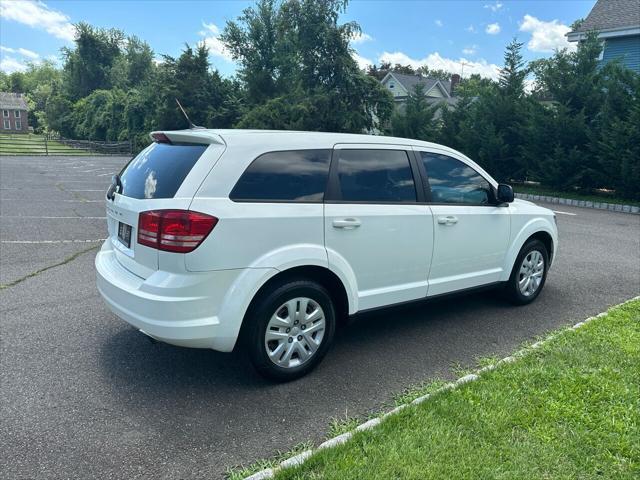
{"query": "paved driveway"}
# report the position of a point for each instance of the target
(83, 395)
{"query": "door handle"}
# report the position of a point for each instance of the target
(347, 223)
(448, 220)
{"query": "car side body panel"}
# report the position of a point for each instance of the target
(200, 299)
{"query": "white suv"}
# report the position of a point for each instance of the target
(271, 237)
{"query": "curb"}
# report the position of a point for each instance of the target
(300, 458)
(613, 207)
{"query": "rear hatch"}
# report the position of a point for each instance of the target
(165, 175)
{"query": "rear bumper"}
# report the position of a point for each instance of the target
(180, 309)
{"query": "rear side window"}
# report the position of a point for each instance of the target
(375, 176)
(288, 176)
(159, 170)
(452, 181)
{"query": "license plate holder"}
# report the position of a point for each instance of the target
(124, 234)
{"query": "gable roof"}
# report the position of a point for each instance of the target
(12, 101)
(611, 15)
(409, 82)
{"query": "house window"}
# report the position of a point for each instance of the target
(7, 124)
(5, 113)
(16, 113)
(18, 124)
(391, 85)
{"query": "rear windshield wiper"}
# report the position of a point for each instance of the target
(116, 187)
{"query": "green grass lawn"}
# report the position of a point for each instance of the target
(32, 144)
(567, 410)
(537, 190)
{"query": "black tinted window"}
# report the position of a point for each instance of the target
(375, 176)
(159, 170)
(297, 176)
(452, 181)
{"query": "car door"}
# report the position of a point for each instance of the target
(378, 230)
(471, 231)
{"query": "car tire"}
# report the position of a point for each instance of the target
(528, 275)
(298, 340)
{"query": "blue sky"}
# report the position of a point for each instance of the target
(440, 34)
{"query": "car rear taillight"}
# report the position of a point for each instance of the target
(180, 231)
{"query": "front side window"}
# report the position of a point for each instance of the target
(5, 113)
(18, 124)
(16, 113)
(286, 176)
(452, 181)
(382, 176)
(7, 125)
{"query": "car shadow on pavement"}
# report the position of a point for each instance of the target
(132, 361)
(211, 399)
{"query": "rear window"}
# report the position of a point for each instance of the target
(159, 170)
(288, 176)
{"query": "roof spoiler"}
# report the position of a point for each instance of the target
(187, 136)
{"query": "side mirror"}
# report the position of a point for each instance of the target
(505, 193)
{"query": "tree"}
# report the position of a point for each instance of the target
(204, 95)
(295, 52)
(134, 66)
(490, 128)
(252, 41)
(474, 86)
(417, 119)
(592, 105)
(41, 82)
(88, 66)
(513, 73)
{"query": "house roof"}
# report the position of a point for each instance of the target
(12, 101)
(611, 15)
(409, 82)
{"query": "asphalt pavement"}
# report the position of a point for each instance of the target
(84, 395)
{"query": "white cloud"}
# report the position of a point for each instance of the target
(363, 63)
(436, 61)
(493, 28)
(22, 51)
(470, 50)
(10, 65)
(545, 36)
(28, 53)
(37, 14)
(360, 37)
(471, 29)
(439, 23)
(211, 39)
(494, 7)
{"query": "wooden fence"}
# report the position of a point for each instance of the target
(30, 144)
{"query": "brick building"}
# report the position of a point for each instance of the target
(13, 113)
